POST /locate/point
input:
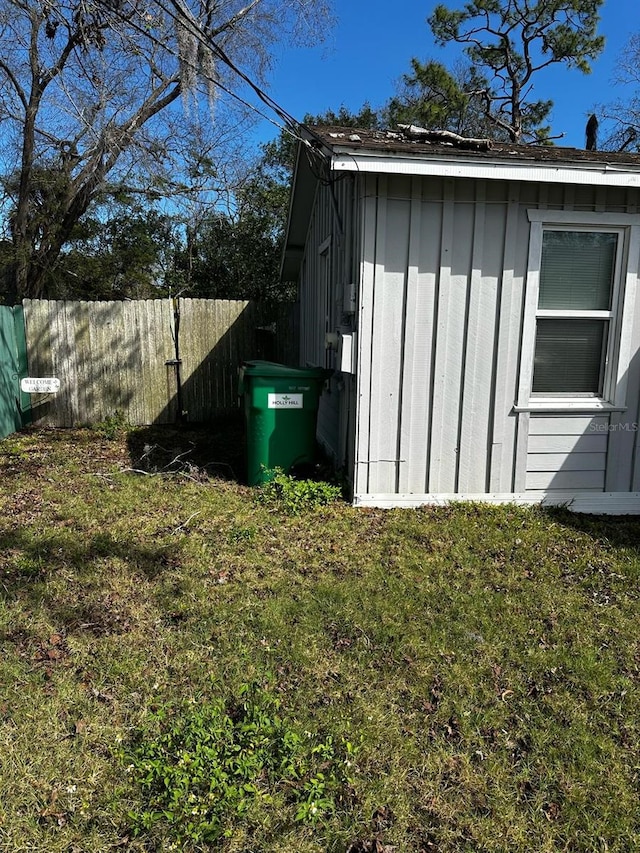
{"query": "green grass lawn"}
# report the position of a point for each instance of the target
(188, 665)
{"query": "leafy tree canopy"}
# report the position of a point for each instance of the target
(124, 251)
(433, 97)
(506, 43)
(93, 94)
(236, 255)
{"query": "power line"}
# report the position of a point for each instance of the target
(181, 18)
(291, 125)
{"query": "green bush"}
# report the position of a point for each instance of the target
(297, 496)
(112, 426)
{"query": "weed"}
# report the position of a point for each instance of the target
(240, 534)
(295, 496)
(113, 426)
(204, 768)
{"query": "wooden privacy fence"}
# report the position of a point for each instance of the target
(151, 359)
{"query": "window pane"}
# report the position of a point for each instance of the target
(577, 270)
(568, 356)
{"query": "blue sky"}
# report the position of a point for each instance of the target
(370, 47)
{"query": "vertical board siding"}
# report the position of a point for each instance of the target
(476, 419)
(386, 356)
(326, 268)
(442, 465)
(633, 459)
(330, 421)
(118, 356)
(624, 425)
(443, 269)
(508, 327)
(365, 333)
(424, 243)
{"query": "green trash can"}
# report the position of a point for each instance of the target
(281, 411)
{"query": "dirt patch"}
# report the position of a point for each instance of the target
(214, 450)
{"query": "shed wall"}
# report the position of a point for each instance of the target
(444, 265)
(330, 263)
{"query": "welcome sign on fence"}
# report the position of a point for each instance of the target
(44, 385)
(285, 401)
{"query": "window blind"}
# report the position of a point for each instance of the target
(577, 270)
(569, 356)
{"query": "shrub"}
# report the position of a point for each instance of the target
(112, 426)
(297, 496)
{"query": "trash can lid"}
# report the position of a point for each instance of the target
(272, 368)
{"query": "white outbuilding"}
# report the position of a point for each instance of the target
(479, 305)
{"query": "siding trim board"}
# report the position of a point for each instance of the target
(552, 173)
(417, 367)
(365, 321)
(412, 363)
(442, 463)
(591, 502)
(508, 317)
(478, 387)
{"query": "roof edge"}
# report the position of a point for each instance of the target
(437, 164)
(417, 151)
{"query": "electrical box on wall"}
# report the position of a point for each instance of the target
(347, 352)
(349, 298)
(331, 340)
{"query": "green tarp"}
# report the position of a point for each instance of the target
(14, 405)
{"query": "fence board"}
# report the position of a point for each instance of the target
(116, 356)
(213, 342)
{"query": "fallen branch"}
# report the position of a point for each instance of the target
(412, 131)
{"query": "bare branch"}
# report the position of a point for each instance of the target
(20, 92)
(233, 22)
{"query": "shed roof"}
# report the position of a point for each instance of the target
(418, 142)
(415, 151)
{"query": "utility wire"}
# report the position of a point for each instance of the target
(180, 18)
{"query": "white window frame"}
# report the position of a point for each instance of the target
(620, 318)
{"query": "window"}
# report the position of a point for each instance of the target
(575, 314)
(581, 286)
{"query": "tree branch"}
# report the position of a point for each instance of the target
(15, 83)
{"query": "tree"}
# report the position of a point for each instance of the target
(435, 98)
(235, 259)
(507, 43)
(236, 254)
(125, 251)
(92, 89)
(622, 116)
